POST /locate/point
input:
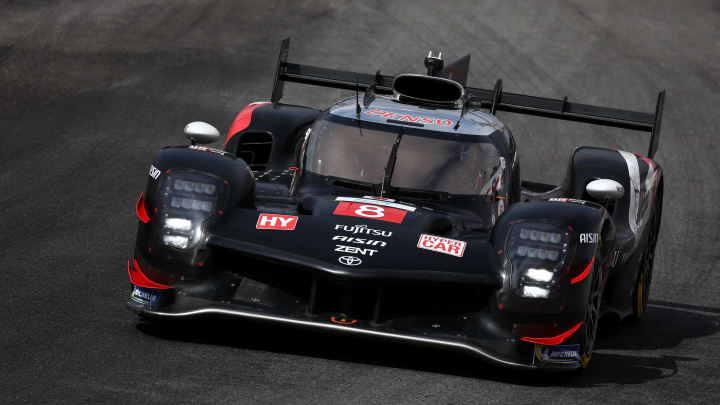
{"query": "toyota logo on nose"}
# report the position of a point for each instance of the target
(349, 260)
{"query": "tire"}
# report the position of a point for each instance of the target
(592, 317)
(643, 280)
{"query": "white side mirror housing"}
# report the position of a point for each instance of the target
(201, 132)
(605, 189)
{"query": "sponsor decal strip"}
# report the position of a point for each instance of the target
(634, 174)
(362, 229)
(410, 118)
(570, 200)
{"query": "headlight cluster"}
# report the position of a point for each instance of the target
(537, 252)
(186, 201)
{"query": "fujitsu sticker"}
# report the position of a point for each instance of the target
(277, 222)
(442, 245)
(369, 211)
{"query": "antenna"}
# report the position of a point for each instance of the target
(357, 97)
(434, 64)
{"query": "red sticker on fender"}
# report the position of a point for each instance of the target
(361, 210)
(278, 222)
(442, 245)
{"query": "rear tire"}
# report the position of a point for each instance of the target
(643, 280)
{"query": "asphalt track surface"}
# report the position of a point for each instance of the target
(89, 90)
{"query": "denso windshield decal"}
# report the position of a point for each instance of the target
(410, 118)
(377, 201)
(369, 211)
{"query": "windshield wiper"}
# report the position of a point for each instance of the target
(390, 167)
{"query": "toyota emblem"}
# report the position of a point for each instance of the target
(349, 260)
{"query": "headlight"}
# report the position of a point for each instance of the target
(537, 252)
(186, 201)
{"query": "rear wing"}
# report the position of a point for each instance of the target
(495, 100)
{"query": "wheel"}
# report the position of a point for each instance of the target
(643, 280)
(592, 317)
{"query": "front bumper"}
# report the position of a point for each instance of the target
(189, 307)
(485, 334)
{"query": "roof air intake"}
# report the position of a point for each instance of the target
(428, 90)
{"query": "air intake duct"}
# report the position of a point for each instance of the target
(428, 90)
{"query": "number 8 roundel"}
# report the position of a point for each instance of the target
(362, 210)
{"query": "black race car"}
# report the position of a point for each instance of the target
(399, 213)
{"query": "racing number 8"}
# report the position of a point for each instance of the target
(370, 211)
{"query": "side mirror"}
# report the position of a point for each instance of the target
(201, 132)
(605, 189)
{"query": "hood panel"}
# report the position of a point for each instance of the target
(332, 240)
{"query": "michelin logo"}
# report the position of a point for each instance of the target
(558, 354)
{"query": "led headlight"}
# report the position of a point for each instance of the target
(186, 201)
(537, 252)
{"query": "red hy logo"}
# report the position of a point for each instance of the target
(278, 222)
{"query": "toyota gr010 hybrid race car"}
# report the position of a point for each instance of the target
(399, 213)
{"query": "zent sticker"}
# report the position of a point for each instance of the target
(369, 211)
(443, 245)
(277, 222)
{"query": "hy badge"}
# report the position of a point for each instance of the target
(277, 222)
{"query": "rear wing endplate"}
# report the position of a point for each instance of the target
(495, 100)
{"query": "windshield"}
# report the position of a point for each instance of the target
(344, 151)
(426, 161)
(449, 166)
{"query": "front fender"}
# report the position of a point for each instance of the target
(235, 184)
(580, 219)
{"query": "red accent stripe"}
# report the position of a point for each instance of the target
(649, 161)
(140, 209)
(138, 278)
(555, 340)
(242, 120)
(585, 272)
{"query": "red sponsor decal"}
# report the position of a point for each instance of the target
(442, 245)
(410, 118)
(362, 210)
(278, 222)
